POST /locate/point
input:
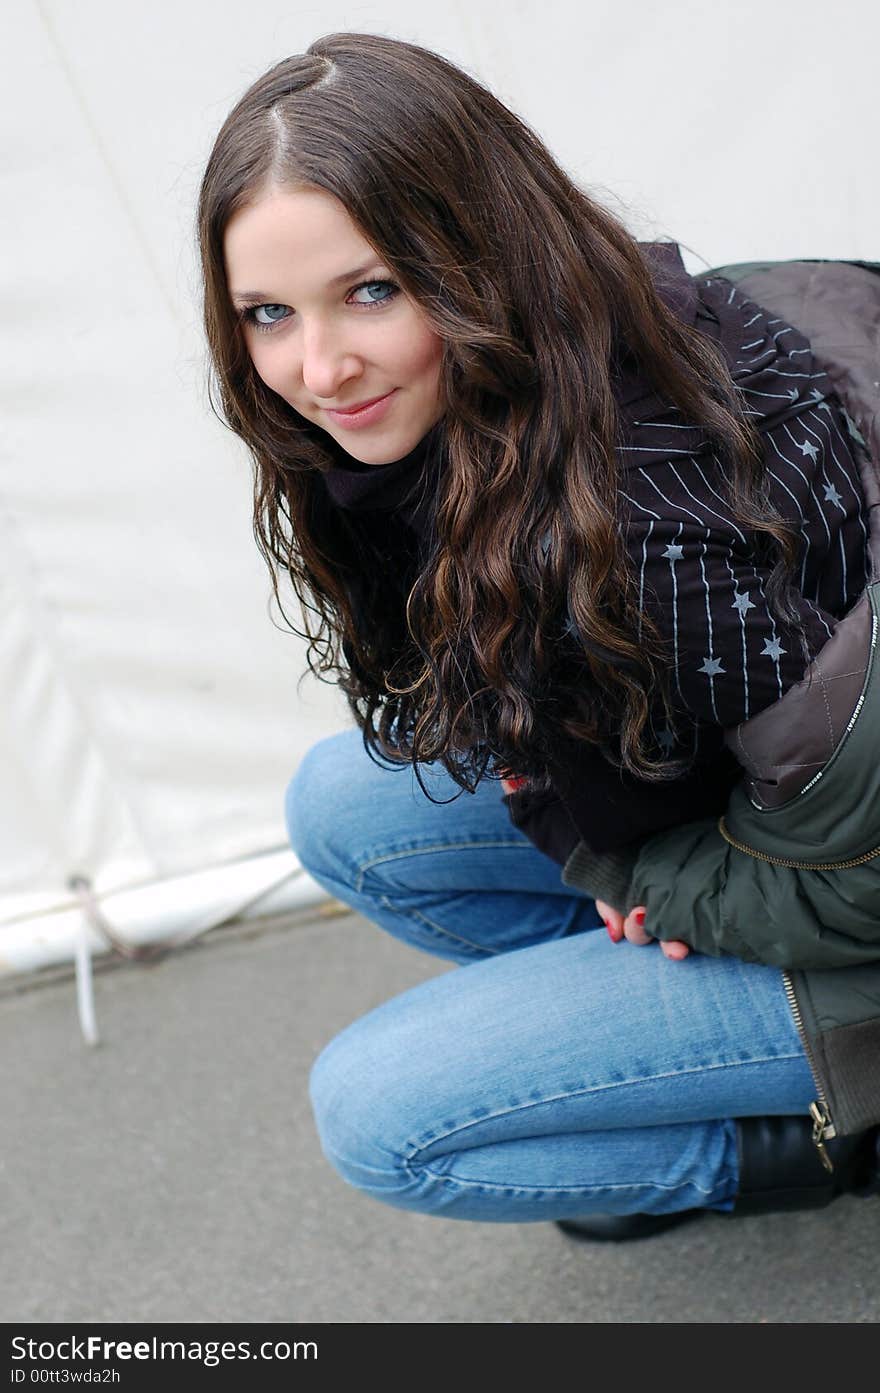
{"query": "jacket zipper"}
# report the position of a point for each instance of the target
(823, 1127)
(794, 865)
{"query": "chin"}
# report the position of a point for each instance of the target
(377, 452)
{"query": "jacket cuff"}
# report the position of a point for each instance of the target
(605, 875)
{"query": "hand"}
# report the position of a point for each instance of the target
(632, 928)
(511, 785)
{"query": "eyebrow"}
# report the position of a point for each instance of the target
(247, 298)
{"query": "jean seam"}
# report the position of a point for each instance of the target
(434, 847)
(442, 933)
(425, 1172)
(526, 1105)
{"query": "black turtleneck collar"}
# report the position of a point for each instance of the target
(403, 486)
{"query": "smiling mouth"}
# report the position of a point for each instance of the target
(361, 406)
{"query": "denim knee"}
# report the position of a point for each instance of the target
(353, 1110)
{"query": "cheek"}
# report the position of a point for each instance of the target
(267, 364)
(423, 354)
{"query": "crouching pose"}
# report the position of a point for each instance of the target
(564, 517)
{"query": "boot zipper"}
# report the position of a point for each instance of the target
(823, 1127)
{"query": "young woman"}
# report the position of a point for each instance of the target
(558, 514)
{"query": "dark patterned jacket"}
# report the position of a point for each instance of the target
(697, 570)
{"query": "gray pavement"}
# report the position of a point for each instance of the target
(173, 1173)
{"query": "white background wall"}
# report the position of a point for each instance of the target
(150, 709)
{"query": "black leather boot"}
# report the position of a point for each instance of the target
(780, 1169)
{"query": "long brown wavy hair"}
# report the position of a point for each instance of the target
(486, 646)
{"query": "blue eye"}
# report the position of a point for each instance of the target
(374, 285)
(274, 314)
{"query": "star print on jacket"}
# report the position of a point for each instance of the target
(743, 604)
(772, 650)
(698, 573)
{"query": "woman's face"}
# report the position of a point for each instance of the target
(326, 327)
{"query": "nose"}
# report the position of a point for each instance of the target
(327, 362)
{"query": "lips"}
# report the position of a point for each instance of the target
(367, 414)
(361, 406)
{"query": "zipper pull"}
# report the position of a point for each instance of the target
(823, 1130)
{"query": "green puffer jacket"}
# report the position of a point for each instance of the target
(790, 875)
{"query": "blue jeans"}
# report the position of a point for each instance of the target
(556, 1074)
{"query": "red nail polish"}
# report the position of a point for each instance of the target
(639, 916)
